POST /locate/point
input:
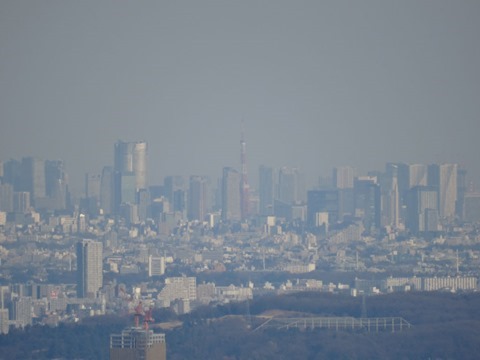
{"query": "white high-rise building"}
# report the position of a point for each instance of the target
(89, 268)
(156, 265)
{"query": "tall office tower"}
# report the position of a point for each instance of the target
(367, 202)
(343, 177)
(422, 209)
(244, 187)
(56, 186)
(403, 179)
(137, 343)
(107, 192)
(266, 190)
(131, 157)
(197, 198)
(1, 170)
(33, 177)
(471, 207)
(91, 201)
(21, 201)
(174, 188)
(92, 186)
(89, 268)
(461, 192)
(444, 179)
(143, 201)
(130, 166)
(321, 202)
(290, 186)
(12, 174)
(417, 175)
(6, 197)
(390, 197)
(231, 195)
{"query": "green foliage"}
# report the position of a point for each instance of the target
(446, 326)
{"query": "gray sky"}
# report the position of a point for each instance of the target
(318, 83)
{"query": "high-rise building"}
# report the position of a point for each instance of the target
(266, 190)
(56, 184)
(91, 202)
(175, 192)
(33, 177)
(343, 177)
(471, 207)
(137, 343)
(231, 195)
(132, 157)
(12, 174)
(422, 209)
(367, 200)
(390, 195)
(21, 201)
(156, 265)
(197, 198)
(21, 311)
(461, 192)
(418, 175)
(444, 179)
(6, 197)
(291, 187)
(130, 166)
(107, 190)
(321, 202)
(89, 268)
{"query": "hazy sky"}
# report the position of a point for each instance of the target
(318, 83)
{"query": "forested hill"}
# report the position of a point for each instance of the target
(445, 326)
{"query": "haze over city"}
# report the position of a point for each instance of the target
(318, 84)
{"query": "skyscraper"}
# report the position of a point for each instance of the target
(390, 196)
(175, 192)
(367, 202)
(89, 268)
(231, 210)
(422, 209)
(56, 187)
(197, 198)
(33, 177)
(107, 191)
(322, 201)
(266, 190)
(444, 179)
(343, 177)
(291, 186)
(130, 167)
(132, 157)
(418, 175)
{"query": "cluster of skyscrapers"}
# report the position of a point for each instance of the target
(417, 197)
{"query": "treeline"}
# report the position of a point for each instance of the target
(446, 326)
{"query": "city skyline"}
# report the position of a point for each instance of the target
(318, 85)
